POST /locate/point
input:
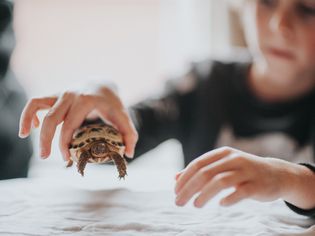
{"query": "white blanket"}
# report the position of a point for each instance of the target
(57, 201)
(39, 207)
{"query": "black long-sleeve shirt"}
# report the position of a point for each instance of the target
(214, 98)
(212, 105)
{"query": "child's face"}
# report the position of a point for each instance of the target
(285, 35)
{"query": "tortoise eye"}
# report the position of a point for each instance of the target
(99, 150)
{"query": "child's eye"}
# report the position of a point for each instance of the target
(306, 10)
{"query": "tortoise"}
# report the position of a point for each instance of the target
(97, 143)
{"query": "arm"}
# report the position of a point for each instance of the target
(167, 117)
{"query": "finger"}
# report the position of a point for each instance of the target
(54, 117)
(36, 121)
(197, 181)
(241, 192)
(197, 164)
(119, 117)
(124, 124)
(217, 184)
(178, 175)
(30, 110)
(79, 110)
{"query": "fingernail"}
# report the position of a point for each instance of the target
(130, 155)
(43, 153)
(65, 157)
(179, 202)
(21, 135)
(197, 204)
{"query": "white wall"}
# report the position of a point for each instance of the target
(67, 43)
(135, 43)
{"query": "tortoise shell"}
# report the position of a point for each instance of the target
(97, 143)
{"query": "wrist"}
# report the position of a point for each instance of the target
(290, 179)
(298, 189)
(286, 177)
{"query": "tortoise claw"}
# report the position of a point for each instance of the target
(120, 163)
(69, 164)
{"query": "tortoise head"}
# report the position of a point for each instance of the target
(99, 149)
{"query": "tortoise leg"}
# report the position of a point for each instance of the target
(84, 157)
(120, 163)
(70, 163)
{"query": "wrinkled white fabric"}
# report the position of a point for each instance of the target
(33, 207)
(58, 201)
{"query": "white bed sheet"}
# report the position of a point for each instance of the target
(33, 207)
(57, 201)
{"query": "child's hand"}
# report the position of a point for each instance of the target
(72, 109)
(263, 179)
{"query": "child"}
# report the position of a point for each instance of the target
(271, 98)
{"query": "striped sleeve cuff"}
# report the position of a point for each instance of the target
(300, 211)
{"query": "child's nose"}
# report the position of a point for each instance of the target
(281, 23)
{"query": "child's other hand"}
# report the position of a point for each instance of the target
(72, 109)
(263, 179)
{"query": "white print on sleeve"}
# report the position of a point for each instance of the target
(273, 144)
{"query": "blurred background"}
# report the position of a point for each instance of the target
(137, 44)
(68, 43)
